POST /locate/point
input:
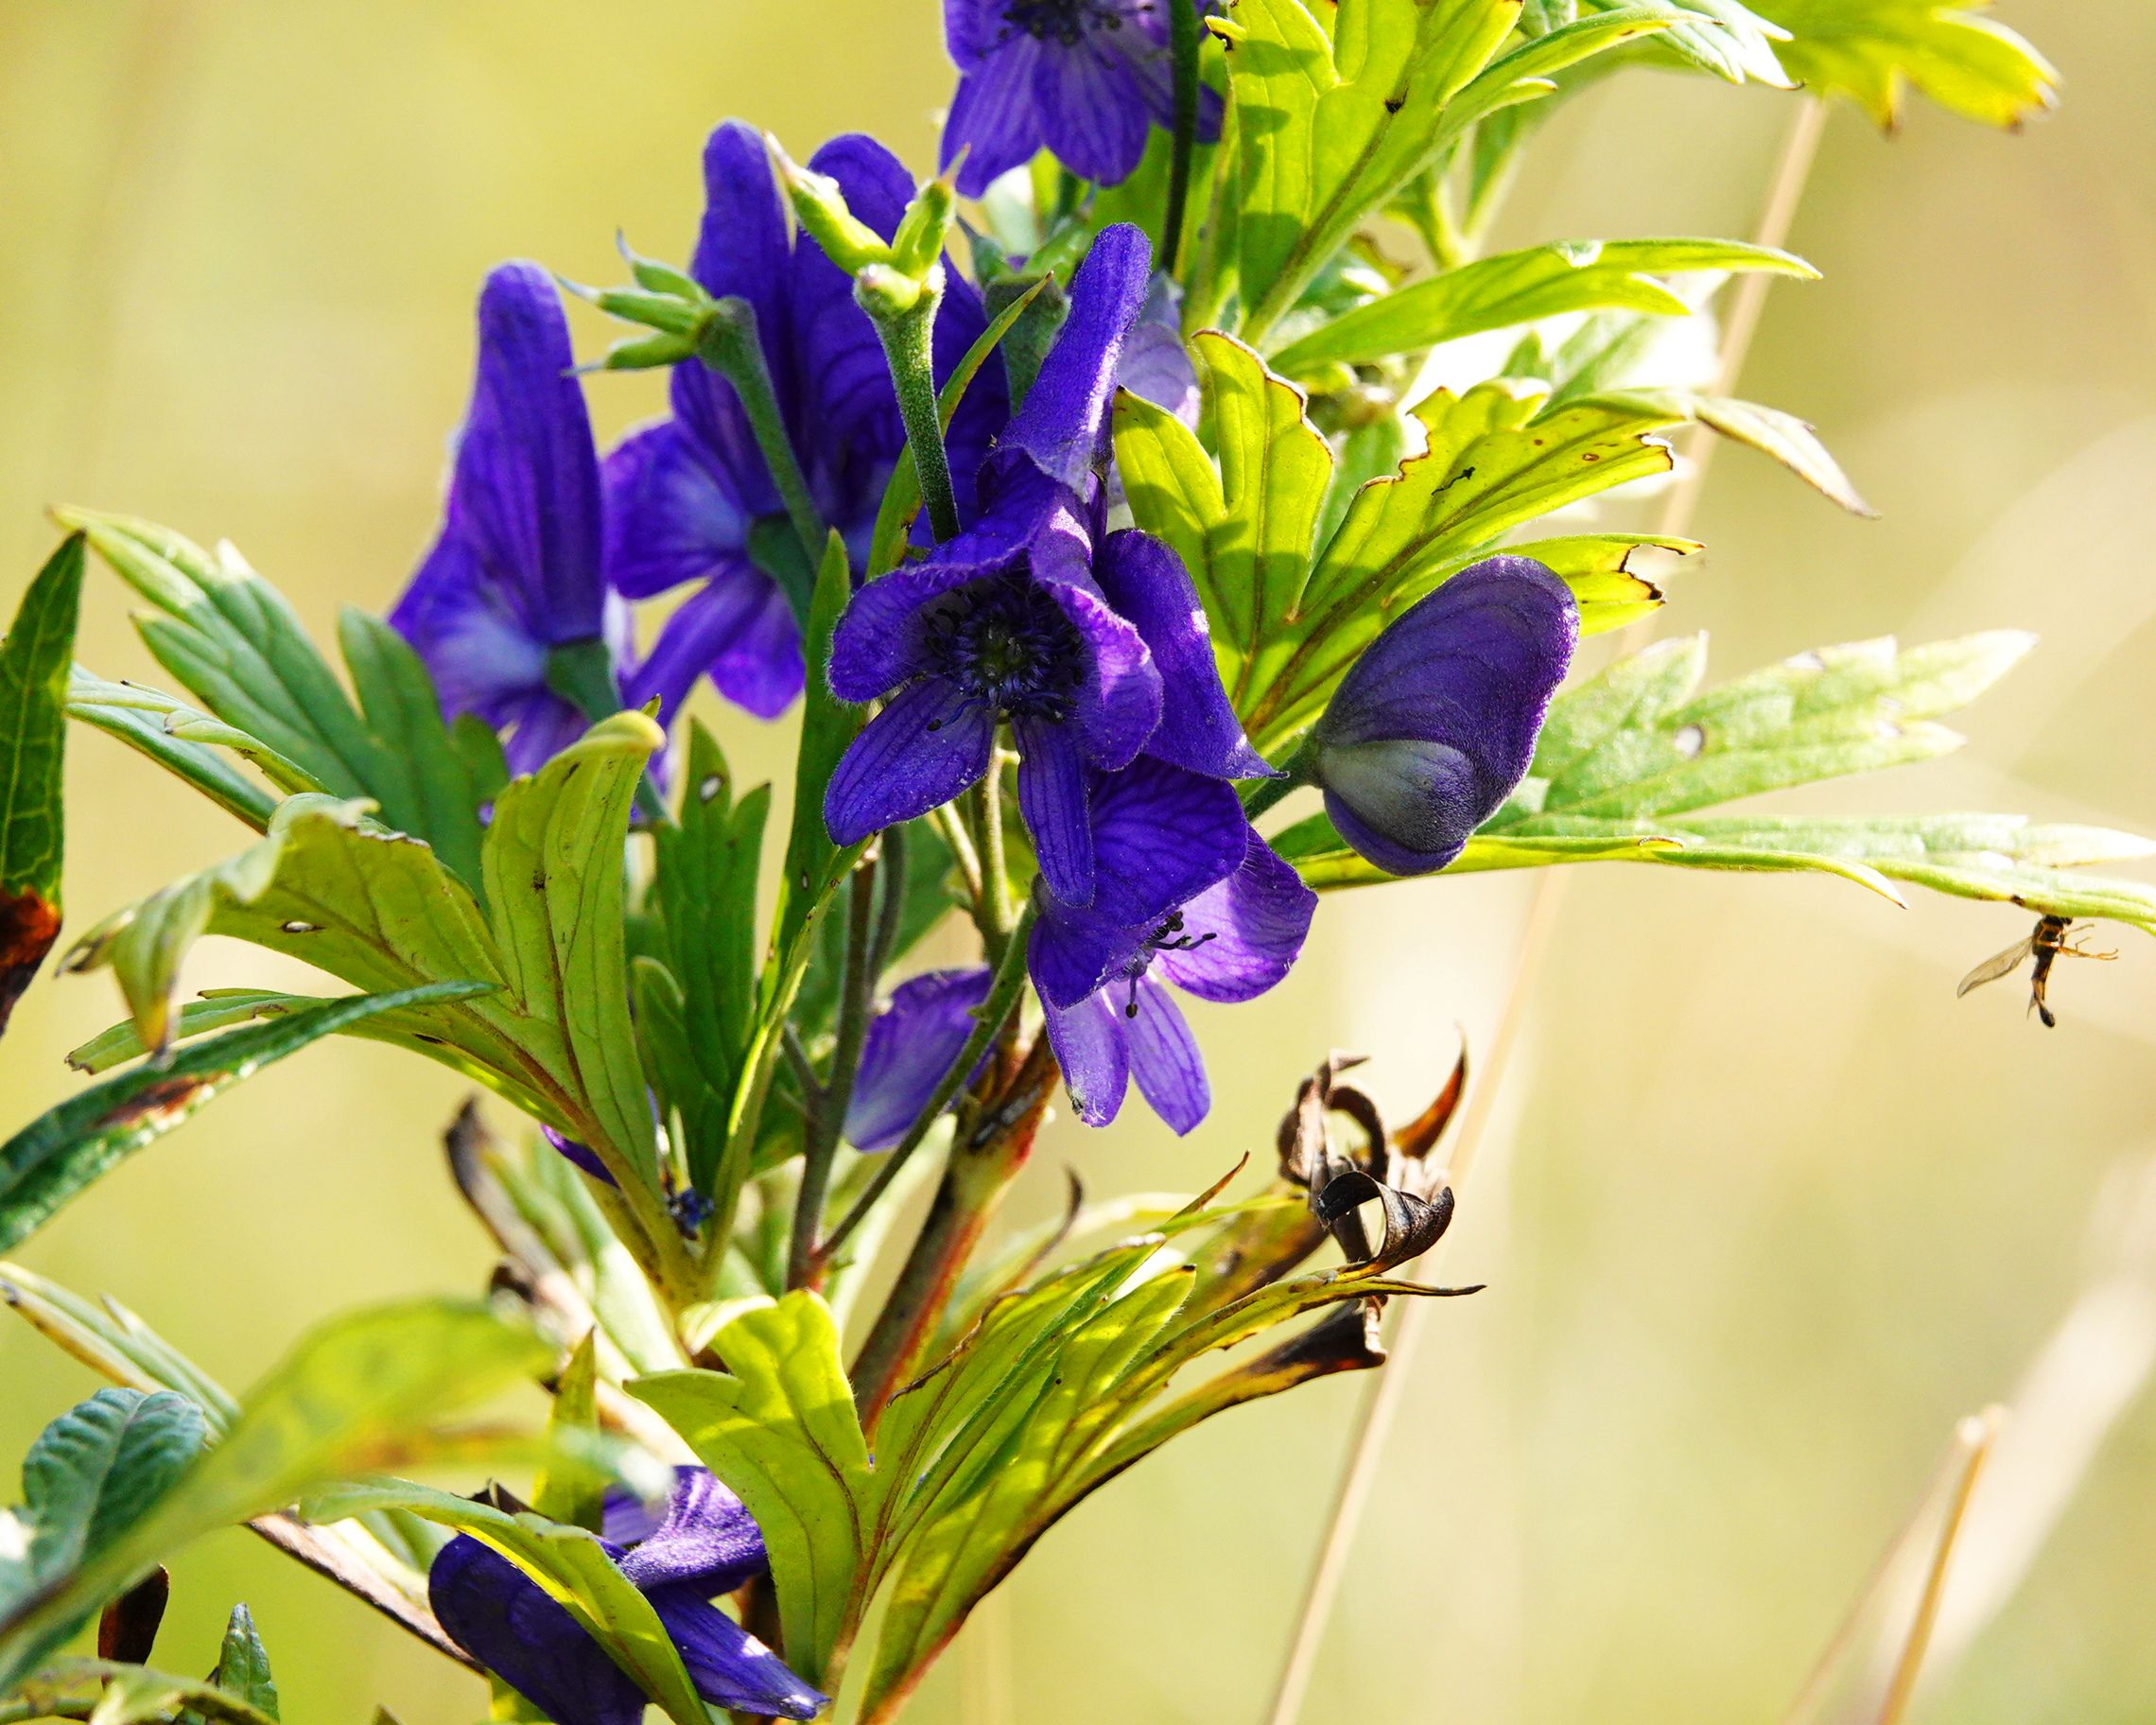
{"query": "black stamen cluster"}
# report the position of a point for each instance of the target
(1065, 20)
(1009, 646)
(1168, 937)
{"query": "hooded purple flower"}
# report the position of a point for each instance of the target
(1435, 726)
(1091, 646)
(686, 497)
(1185, 892)
(705, 1545)
(1084, 79)
(515, 574)
(910, 1046)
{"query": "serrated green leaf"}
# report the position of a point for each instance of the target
(64, 1150)
(1873, 50)
(359, 1395)
(1521, 287)
(34, 660)
(223, 1008)
(1329, 125)
(113, 1342)
(1628, 745)
(1723, 37)
(569, 1562)
(1496, 460)
(780, 1428)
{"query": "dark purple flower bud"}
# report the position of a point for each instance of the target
(1435, 726)
(910, 1046)
(1084, 79)
(1186, 892)
(690, 499)
(513, 578)
(706, 1544)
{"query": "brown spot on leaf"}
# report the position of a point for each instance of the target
(164, 1104)
(30, 923)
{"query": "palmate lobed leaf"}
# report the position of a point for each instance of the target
(130, 1695)
(1873, 50)
(34, 660)
(358, 1395)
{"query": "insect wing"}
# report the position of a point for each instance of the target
(1998, 965)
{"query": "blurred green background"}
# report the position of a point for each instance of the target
(1767, 1208)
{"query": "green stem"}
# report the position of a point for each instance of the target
(908, 336)
(732, 347)
(995, 871)
(1184, 38)
(827, 1105)
(988, 1022)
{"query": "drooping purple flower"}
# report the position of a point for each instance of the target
(1084, 78)
(690, 499)
(1435, 726)
(909, 1048)
(706, 1543)
(515, 574)
(1091, 646)
(1185, 892)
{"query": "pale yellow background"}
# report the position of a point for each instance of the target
(1776, 1209)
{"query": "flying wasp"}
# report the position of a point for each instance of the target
(2051, 940)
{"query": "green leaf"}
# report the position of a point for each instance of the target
(1635, 743)
(1781, 436)
(567, 1492)
(358, 1395)
(33, 737)
(1496, 460)
(1723, 37)
(129, 713)
(91, 1475)
(243, 1665)
(569, 1562)
(67, 1148)
(780, 1429)
(133, 1695)
(1329, 125)
(1521, 287)
(1873, 50)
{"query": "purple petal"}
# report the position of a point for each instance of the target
(1161, 837)
(877, 642)
(973, 30)
(1156, 363)
(1151, 68)
(1164, 1057)
(1435, 726)
(1052, 796)
(744, 249)
(674, 511)
(1117, 706)
(1071, 954)
(1251, 927)
(849, 413)
(581, 1155)
(1094, 112)
(928, 746)
(525, 485)
(506, 1622)
(730, 1667)
(468, 632)
(1062, 425)
(910, 1046)
(540, 728)
(993, 117)
(739, 629)
(1091, 1040)
(709, 1540)
(1148, 583)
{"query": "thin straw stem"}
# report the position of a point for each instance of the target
(1974, 1440)
(1382, 1404)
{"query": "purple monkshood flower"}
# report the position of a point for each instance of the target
(516, 572)
(909, 1048)
(1184, 892)
(1435, 726)
(705, 1545)
(1084, 79)
(1092, 645)
(685, 496)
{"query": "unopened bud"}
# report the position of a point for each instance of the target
(885, 292)
(925, 229)
(820, 206)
